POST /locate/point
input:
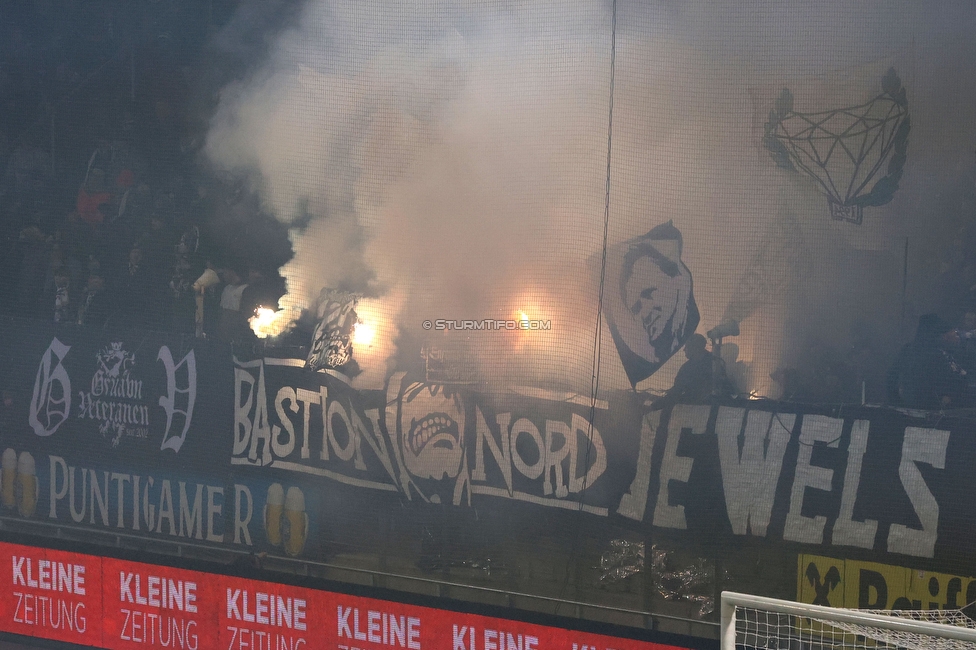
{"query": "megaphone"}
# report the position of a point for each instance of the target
(208, 279)
(728, 328)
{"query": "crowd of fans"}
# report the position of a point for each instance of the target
(107, 216)
(123, 255)
(937, 368)
(108, 219)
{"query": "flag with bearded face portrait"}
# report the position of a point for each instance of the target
(649, 304)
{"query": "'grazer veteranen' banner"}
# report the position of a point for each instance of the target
(176, 439)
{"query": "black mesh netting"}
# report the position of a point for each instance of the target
(486, 293)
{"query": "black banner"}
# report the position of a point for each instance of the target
(176, 439)
(876, 479)
(116, 432)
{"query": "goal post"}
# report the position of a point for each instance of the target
(772, 624)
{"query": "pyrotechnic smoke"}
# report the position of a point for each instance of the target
(452, 158)
(447, 157)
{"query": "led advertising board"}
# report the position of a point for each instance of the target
(123, 605)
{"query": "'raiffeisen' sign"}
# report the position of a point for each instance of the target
(869, 585)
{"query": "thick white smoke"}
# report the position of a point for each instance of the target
(452, 158)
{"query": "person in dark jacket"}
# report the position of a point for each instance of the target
(699, 377)
(133, 293)
(96, 303)
(926, 374)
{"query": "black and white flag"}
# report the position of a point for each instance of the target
(332, 340)
(650, 307)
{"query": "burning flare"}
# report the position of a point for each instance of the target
(363, 333)
(267, 322)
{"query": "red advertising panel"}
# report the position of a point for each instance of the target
(267, 616)
(149, 606)
(121, 605)
(370, 624)
(51, 594)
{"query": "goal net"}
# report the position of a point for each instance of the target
(766, 623)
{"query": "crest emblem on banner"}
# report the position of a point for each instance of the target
(115, 396)
(844, 150)
(650, 307)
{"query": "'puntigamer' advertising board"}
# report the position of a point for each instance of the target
(177, 439)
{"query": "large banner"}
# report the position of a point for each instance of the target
(177, 439)
(114, 432)
(872, 479)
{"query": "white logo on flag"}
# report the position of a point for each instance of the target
(181, 394)
(51, 402)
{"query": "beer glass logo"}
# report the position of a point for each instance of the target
(8, 479)
(18, 482)
(51, 402)
(26, 488)
(294, 525)
(285, 519)
(273, 510)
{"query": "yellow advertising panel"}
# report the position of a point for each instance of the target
(869, 585)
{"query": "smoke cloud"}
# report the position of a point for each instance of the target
(448, 160)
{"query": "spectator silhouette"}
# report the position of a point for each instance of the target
(926, 375)
(695, 379)
(96, 304)
(133, 292)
